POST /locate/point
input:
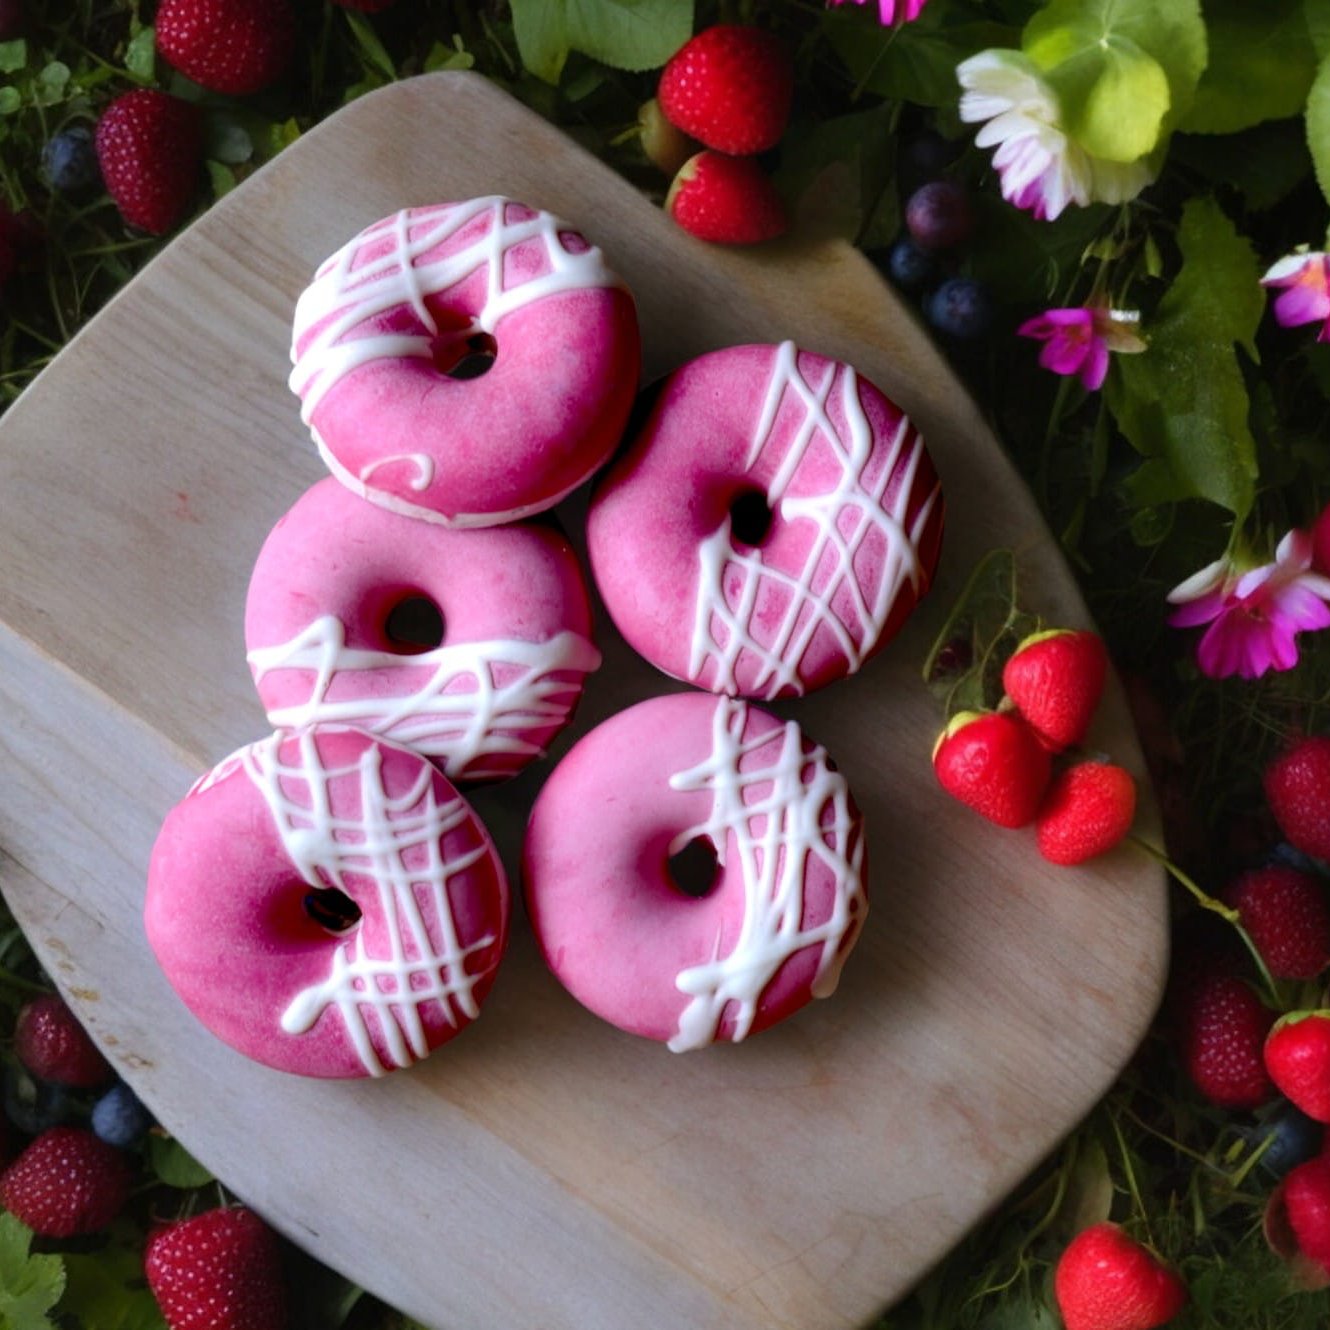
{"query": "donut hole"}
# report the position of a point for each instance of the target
(694, 870)
(465, 357)
(750, 517)
(414, 625)
(333, 909)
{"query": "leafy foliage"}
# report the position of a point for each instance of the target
(30, 1285)
(625, 34)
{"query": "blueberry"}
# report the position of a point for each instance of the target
(928, 154)
(1297, 1138)
(960, 307)
(33, 1105)
(69, 160)
(939, 215)
(911, 268)
(119, 1118)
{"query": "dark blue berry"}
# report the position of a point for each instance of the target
(911, 268)
(33, 1105)
(1297, 1138)
(939, 215)
(69, 160)
(928, 154)
(960, 307)
(119, 1118)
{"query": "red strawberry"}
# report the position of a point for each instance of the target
(232, 46)
(666, 147)
(729, 87)
(1288, 917)
(66, 1182)
(992, 762)
(1056, 679)
(52, 1044)
(1297, 1056)
(1108, 1281)
(727, 200)
(1089, 809)
(1297, 788)
(150, 148)
(1222, 1026)
(221, 1270)
(1306, 1196)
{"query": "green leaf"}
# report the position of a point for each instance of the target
(13, 56)
(1317, 15)
(10, 101)
(105, 1289)
(174, 1165)
(29, 1285)
(222, 178)
(1183, 403)
(1318, 125)
(625, 34)
(1264, 164)
(1098, 52)
(443, 56)
(371, 48)
(1262, 63)
(141, 53)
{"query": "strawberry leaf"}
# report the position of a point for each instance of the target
(105, 1289)
(625, 34)
(174, 1165)
(1318, 124)
(29, 1285)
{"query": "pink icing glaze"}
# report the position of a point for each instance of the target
(486, 701)
(466, 452)
(225, 909)
(853, 542)
(787, 903)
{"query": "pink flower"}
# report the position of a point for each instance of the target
(1254, 616)
(1078, 340)
(1305, 280)
(887, 10)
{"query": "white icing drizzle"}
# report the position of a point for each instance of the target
(457, 729)
(347, 296)
(778, 818)
(421, 462)
(397, 842)
(722, 630)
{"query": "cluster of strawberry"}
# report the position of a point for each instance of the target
(220, 1270)
(727, 91)
(1010, 764)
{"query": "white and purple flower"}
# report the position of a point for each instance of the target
(1079, 340)
(1304, 279)
(889, 11)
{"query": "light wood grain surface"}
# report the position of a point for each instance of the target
(544, 1170)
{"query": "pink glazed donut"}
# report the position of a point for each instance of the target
(403, 303)
(848, 523)
(782, 913)
(484, 697)
(327, 904)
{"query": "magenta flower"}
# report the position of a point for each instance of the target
(1256, 615)
(1078, 340)
(887, 10)
(1305, 281)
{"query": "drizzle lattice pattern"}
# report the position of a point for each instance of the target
(341, 303)
(733, 580)
(397, 843)
(475, 733)
(778, 817)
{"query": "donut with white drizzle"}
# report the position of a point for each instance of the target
(327, 904)
(846, 536)
(387, 336)
(787, 900)
(485, 677)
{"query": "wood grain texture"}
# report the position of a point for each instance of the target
(544, 1169)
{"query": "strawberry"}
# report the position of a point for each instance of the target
(1297, 788)
(729, 87)
(1106, 1280)
(666, 147)
(727, 200)
(150, 148)
(1287, 915)
(231, 46)
(52, 1045)
(1089, 809)
(1055, 679)
(1306, 1198)
(992, 762)
(66, 1182)
(221, 1270)
(1222, 1028)
(1297, 1056)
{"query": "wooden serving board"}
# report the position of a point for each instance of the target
(545, 1169)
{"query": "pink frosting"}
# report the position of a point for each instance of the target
(614, 927)
(473, 452)
(853, 541)
(225, 910)
(486, 701)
